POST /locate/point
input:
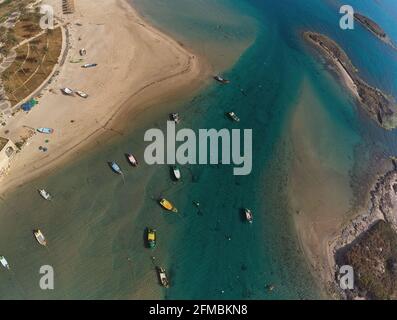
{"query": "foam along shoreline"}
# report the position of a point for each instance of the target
(137, 66)
(380, 107)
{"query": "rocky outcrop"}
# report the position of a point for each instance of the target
(370, 25)
(381, 107)
(382, 207)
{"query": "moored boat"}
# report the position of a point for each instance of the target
(175, 117)
(45, 195)
(176, 172)
(67, 91)
(221, 80)
(82, 94)
(45, 130)
(131, 159)
(89, 65)
(167, 205)
(115, 167)
(4, 262)
(151, 238)
(163, 277)
(40, 237)
(248, 215)
(233, 116)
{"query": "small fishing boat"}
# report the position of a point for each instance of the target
(89, 65)
(45, 130)
(175, 117)
(163, 277)
(233, 116)
(176, 172)
(4, 262)
(82, 94)
(83, 52)
(40, 237)
(248, 215)
(67, 91)
(115, 167)
(221, 80)
(151, 238)
(45, 194)
(131, 159)
(167, 205)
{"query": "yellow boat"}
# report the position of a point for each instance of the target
(168, 205)
(151, 238)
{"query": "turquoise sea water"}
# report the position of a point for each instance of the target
(95, 224)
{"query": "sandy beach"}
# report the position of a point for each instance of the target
(132, 73)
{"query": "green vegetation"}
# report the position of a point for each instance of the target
(26, 26)
(35, 59)
(33, 64)
(374, 260)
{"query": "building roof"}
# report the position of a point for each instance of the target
(3, 142)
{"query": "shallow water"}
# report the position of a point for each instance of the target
(96, 222)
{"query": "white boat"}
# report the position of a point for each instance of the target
(221, 80)
(45, 194)
(177, 172)
(82, 94)
(40, 237)
(4, 262)
(248, 215)
(131, 159)
(67, 91)
(163, 277)
(89, 65)
(233, 116)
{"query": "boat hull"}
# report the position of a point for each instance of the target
(248, 215)
(167, 205)
(4, 262)
(151, 238)
(45, 195)
(132, 160)
(115, 167)
(40, 237)
(176, 173)
(163, 277)
(221, 80)
(45, 130)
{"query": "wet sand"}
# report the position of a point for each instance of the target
(319, 186)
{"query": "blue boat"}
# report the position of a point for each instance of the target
(115, 167)
(45, 130)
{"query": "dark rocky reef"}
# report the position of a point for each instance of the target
(370, 25)
(381, 107)
(368, 243)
